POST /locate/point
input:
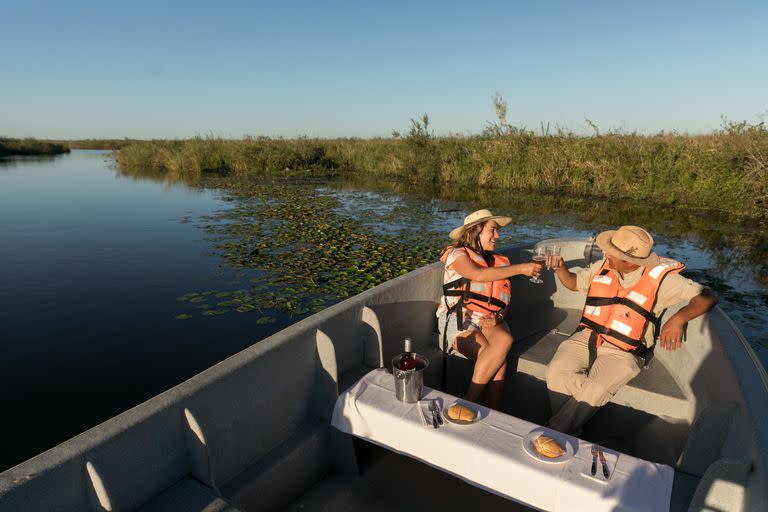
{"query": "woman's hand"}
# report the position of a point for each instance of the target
(529, 269)
(490, 321)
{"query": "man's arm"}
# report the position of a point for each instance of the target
(565, 276)
(671, 337)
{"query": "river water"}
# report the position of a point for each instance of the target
(116, 287)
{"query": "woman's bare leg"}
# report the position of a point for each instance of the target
(491, 365)
(472, 344)
(490, 356)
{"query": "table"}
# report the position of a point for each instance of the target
(489, 454)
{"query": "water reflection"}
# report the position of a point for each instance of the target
(15, 161)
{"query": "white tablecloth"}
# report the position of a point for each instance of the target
(489, 453)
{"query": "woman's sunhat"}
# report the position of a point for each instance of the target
(478, 217)
(629, 243)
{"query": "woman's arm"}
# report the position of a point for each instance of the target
(464, 265)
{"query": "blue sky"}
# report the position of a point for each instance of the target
(328, 69)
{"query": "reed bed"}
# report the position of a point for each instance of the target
(724, 171)
(11, 147)
(98, 143)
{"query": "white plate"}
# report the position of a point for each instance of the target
(557, 436)
(460, 422)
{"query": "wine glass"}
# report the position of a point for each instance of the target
(553, 257)
(539, 257)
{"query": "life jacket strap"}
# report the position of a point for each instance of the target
(608, 301)
(592, 345)
(606, 331)
(453, 289)
(641, 351)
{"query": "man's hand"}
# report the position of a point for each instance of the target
(671, 337)
(556, 261)
(565, 276)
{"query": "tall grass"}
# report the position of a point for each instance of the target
(724, 170)
(9, 147)
(97, 143)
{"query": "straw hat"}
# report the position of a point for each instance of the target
(478, 217)
(629, 243)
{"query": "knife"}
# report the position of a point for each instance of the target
(594, 460)
(439, 413)
(602, 461)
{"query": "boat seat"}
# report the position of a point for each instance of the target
(538, 333)
(683, 488)
(271, 482)
(188, 495)
(653, 390)
(722, 487)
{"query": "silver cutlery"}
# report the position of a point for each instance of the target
(594, 459)
(439, 412)
(602, 461)
(434, 416)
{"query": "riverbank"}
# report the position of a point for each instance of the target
(107, 144)
(24, 147)
(725, 171)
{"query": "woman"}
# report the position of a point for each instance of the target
(475, 295)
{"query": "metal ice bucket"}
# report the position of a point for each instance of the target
(409, 384)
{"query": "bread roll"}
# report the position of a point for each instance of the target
(461, 413)
(548, 447)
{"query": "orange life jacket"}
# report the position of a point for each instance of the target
(482, 297)
(621, 316)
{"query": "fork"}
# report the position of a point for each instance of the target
(594, 459)
(434, 415)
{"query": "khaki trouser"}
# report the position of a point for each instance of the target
(576, 396)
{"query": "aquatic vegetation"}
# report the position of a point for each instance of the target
(30, 146)
(299, 251)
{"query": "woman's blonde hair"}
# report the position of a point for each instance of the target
(470, 238)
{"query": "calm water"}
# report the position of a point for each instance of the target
(92, 263)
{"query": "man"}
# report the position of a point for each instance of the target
(627, 292)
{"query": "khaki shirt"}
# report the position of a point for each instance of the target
(674, 288)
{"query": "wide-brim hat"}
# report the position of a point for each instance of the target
(629, 243)
(478, 217)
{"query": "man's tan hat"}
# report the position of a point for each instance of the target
(476, 218)
(629, 243)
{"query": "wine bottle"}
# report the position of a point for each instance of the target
(408, 361)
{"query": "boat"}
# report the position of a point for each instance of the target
(254, 432)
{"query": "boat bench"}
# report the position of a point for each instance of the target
(539, 332)
(188, 495)
(250, 433)
(535, 345)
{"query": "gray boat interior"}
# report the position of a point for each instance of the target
(253, 432)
